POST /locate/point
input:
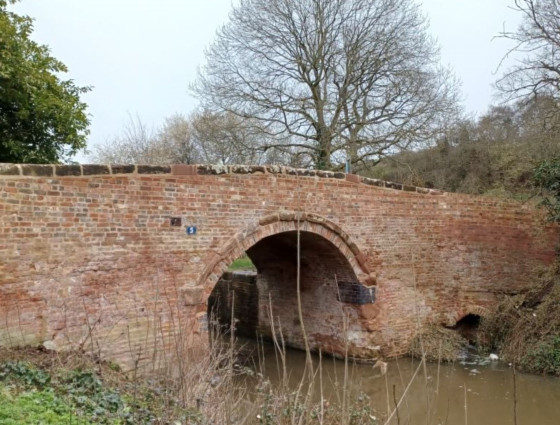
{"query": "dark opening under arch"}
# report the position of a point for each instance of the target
(330, 290)
(468, 327)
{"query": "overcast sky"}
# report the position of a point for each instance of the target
(140, 55)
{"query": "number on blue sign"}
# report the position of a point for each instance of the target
(191, 230)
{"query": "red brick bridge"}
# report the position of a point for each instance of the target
(121, 259)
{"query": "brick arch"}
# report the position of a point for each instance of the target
(476, 310)
(282, 222)
(461, 313)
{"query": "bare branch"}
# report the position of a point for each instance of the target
(538, 36)
(335, 78)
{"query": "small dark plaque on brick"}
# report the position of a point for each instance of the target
(355, 293)
(176, 221)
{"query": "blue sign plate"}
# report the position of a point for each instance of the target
(191, 230)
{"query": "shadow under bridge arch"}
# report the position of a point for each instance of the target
(334, 281)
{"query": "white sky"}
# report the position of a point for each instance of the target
(140, 55)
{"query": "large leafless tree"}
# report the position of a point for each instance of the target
(537, 49)
(335, 79)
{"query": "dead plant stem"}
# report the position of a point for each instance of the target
(514, 396)
(404, 393)
(396, 406)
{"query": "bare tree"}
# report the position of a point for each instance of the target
(335, 79)
(135, 144)
(538, 38)
(225, 139)
(173, 143)
(202, 137)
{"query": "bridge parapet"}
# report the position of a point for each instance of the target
(77, 170)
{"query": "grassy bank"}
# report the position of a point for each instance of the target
(44, 387)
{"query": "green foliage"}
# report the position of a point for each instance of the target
(33, 394)
(33, 407)
(42, 119)
(547, 177)
(24, 373)
(242, 263)
(544, 358)
(361, 412)
(495, 155)
(85, 392)
(525, 328)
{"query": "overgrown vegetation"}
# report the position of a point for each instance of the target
(494, 155)
(525, 329)
(44, 387)
(547, 178)
(437, 343)
(49, 388)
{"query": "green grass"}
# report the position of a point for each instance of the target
(33, 407)
(31, 395)
(242, 263)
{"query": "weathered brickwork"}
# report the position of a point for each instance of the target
(88, 256)
(235, 293)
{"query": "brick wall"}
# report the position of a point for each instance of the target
(89, 258)
(235, 292)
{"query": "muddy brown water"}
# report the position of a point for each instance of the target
(473, 391)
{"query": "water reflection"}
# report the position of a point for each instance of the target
(473, 391)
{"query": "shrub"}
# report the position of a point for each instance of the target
(544, 358)
(525, 329)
